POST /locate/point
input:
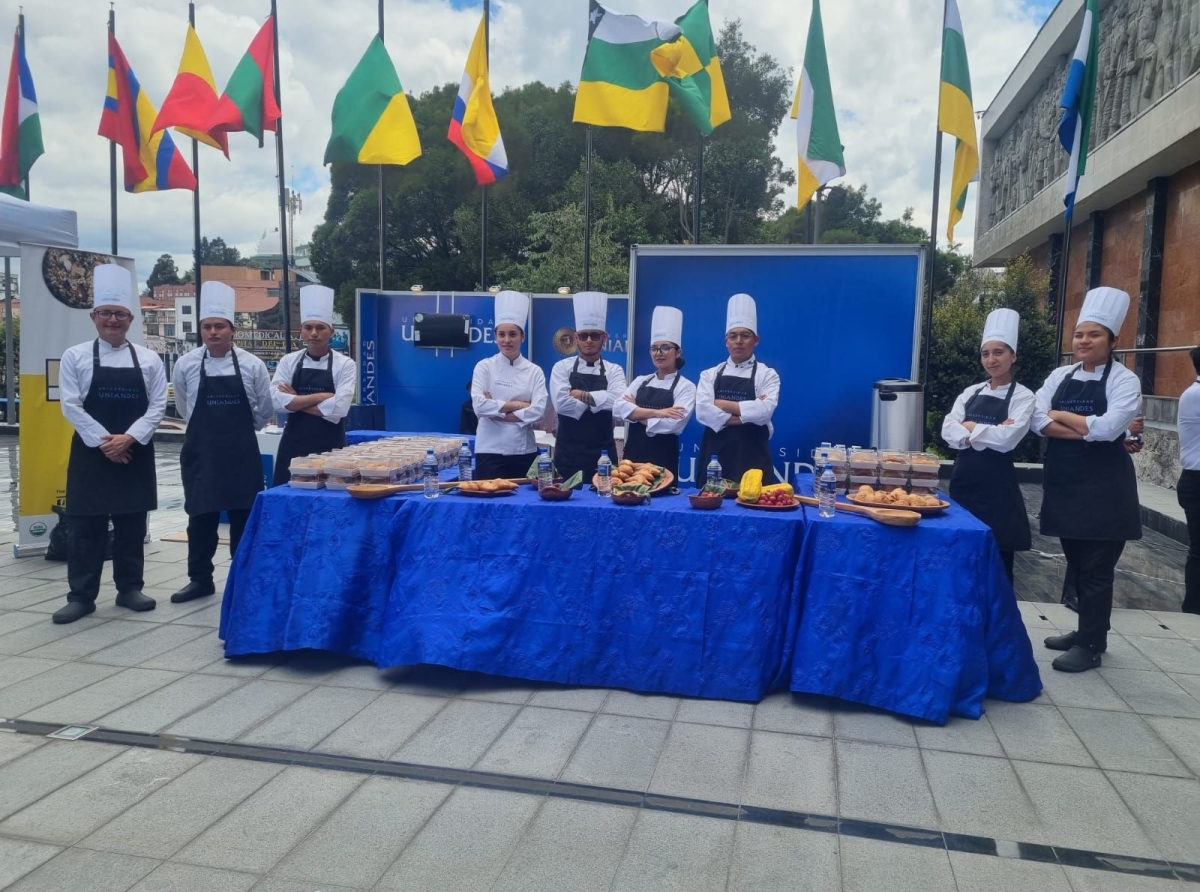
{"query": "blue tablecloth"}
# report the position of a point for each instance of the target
(661, 598)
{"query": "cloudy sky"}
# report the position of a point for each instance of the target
(883, 58)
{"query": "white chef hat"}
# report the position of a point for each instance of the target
(591, 311)
(216, 302)
(1106, 306)
(512, 307)
(741, 312)
(316, 304)
(1003, 326)
(112, 286)
(667, 325)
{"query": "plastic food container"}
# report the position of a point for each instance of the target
(381, 470)
(894, 464)
(307, 473)
(857, 480)
(925, 486)
(925, 466)
(863, 459)
(889, 482)
(340, 471)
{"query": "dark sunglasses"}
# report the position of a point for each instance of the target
(589, 335)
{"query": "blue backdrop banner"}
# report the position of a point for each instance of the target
(833, 320)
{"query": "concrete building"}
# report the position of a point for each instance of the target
(1137, 212)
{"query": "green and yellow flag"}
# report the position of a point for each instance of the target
(693, 71)
(956, 113)
(372, 123)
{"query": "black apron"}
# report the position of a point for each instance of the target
(307, 434)
(222, 468)
(578, 442)
(661, 449)
(738, 447)
(985, 482)
(1089, 490)
(96, 486)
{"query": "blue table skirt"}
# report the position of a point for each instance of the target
(662, 598)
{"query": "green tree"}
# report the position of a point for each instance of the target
(958, 319)
(164, 273)
(214, 252)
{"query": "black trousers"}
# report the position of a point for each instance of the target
(1188, 493)
(85, 558)
(1092, 565)
(203, 538)
(494, 466)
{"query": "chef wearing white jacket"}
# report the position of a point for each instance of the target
(508, 394)
(657, 406)
(315, 386)
(987, 423)
(735, 400)
(114, 393)
(224, 395)
(584, 389)
(1089, 491)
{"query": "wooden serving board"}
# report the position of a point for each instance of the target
(925, 510)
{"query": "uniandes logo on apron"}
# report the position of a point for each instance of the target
(119, 393)
(223, 399)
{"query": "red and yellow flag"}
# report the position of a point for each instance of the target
(193, 97)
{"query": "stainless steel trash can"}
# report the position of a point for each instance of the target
(898, 415)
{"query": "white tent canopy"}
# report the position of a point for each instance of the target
(21, 221)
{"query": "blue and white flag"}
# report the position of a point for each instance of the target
(1078, 97)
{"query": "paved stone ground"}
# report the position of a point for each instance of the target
(327, 774)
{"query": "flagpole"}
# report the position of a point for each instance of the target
(927, 345)
(285, 285)
(483, 240)
(699, 191)
(10, 412)
(112, 152)
(587, 215)
(196, 203)
(1064, 265)
(382, 213)
(21, 44)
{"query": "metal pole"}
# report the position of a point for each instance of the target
(112, 153)
(483, 235)
(196, 205)
(382, 199)
(284, 286)
(927, 345)
(587, 215)
(816, 206)
(10, 412)
(1060, 310)
(699, 192)
(21, 42)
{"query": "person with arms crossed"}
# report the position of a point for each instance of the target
(658, 406)
(987, 423)
(314, 385)
(508, 394)
(1188, 491)
(583, 390)
(223, 394)
(1089, 489)
(114, 394)
(735, 401)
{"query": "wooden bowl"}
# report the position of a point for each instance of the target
(629, 498)
(731, 492)
(706, 503)
(554, 494)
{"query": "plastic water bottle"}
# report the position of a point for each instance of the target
(545, 470)
(429, 471)
(464, 462)
(820, 464)
(827, 493)
(713, 474)
(604, 475)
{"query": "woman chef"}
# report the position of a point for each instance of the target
(735, 400)
(986, 424)
(1089, 492)
(658, 406)
(583, 390)
(315, 385)
(508, 394)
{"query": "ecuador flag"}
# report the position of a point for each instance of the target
(372, 123)
(193, 97)
(152, 162)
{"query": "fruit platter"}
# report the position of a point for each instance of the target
(776, 497)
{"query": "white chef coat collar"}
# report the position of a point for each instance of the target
(743, 365)
(106, 347)
(668, 376)
(591, 365)
(515, 363)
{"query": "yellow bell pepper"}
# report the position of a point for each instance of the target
(751, 486)
(780, 487)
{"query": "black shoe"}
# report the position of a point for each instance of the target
(193, 590)
(135, 601)
(73, 611)
(1071, 602)
(1077, 659)
(1066, 642)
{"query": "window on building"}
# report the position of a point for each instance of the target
(187, 328)
(169, 331)
(186, 309)
(265, 275)
(152, 328)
